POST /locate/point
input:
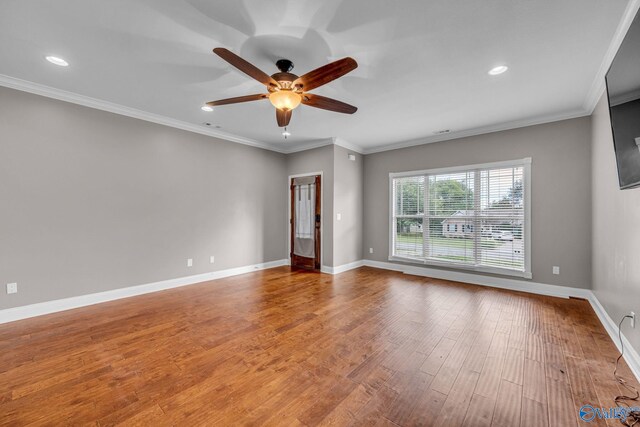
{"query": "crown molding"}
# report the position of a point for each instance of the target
(86, 101)
(308, 145)
(598, 85)
(480, 131)
(66, 96)
(349, 145)
(98, 104)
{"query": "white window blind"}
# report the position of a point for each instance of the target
(473, 217)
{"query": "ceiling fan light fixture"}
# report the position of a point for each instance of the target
(286, 90)
(206, 108)
(285, 99)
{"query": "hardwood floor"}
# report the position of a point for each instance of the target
(282, 347)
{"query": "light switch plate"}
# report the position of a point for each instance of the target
(556, 269)
(190, 262)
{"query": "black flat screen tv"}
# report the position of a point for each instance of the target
(623, 90)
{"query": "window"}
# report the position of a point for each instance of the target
(472, 217)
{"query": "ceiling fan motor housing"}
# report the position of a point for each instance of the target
(284, 65)
(284, 77)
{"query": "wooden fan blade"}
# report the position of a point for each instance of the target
(325, 74)
(246, 67)
(237, 99)
(327, 103)
(283, 117)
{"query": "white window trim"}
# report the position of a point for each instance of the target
(525, 163)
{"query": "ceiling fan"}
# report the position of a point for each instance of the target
(286, 90)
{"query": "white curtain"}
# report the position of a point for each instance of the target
(304, 225)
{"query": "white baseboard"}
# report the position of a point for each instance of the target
(39, 309)
(480, 279)
(631, 356)
(342, 268)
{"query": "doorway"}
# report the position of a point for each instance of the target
(306, 199)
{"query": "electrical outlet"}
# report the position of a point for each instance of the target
(556, 269)
(633, 319)
(12, 288)
(370, 250)
(212, 259)
(190, 262)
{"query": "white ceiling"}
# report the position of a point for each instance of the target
(422, 64)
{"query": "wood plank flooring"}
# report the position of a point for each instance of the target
(282, 347)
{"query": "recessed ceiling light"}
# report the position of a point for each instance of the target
(57, 61)
(206, 108)
(498, 70)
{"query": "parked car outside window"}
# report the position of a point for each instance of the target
(502, 235)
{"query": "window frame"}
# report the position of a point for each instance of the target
(525, 163)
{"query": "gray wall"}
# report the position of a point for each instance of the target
(347, 201)
(615, 228)
(93, 201)
(317, 160)
(560, 191)
(342, 192)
